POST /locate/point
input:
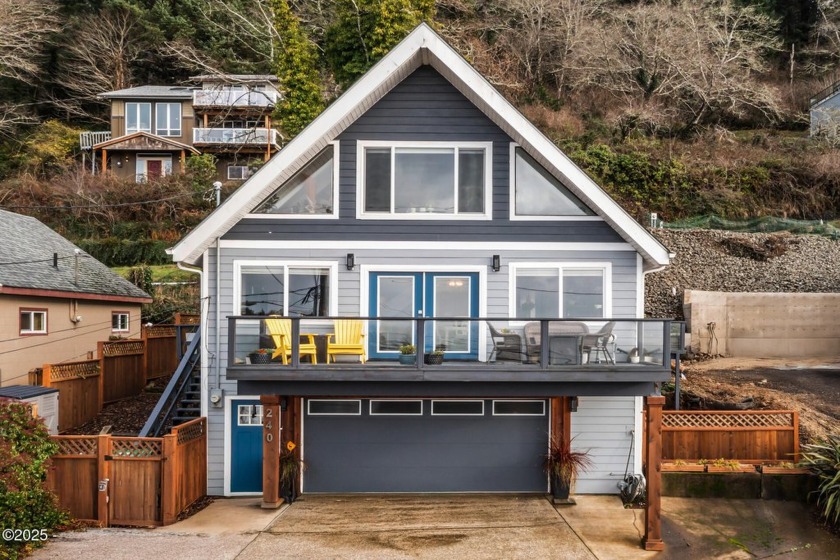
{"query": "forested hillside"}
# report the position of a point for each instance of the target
(681, 107)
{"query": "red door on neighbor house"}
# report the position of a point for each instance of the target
(154, 168)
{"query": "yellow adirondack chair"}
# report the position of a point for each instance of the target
(280, 331)
(347, 340)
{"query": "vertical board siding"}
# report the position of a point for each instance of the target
(602, 427)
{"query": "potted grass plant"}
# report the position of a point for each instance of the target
(408, 354)
(563, 465)
(434, 358)
(290, 469)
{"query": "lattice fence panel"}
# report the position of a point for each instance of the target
(126, 348)
(73, 370)
(191, 431)
(160, 331)
(76, 446)
(688, 419)
(136, 447)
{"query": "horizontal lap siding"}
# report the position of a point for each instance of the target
(349, 282)
(424, 107)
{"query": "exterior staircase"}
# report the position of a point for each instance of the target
(181, 400)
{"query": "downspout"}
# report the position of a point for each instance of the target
(218, 315)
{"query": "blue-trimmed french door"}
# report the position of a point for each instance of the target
(419, 294)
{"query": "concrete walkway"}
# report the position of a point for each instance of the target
(462, 527)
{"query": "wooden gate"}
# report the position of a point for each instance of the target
(135, 481)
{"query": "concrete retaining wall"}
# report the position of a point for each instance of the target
(763, 325)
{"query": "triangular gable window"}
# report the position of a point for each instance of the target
(309, 192)
(538, 193)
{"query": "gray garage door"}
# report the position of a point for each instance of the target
(362, 445)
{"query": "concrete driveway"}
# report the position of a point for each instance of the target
(462, 527)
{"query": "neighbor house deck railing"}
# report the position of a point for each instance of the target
(235, 136)
(233, 98)
(87, 140)
(571, 343)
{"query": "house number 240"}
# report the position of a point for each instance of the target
(269, 437)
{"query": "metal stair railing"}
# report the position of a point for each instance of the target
(825, 93)
(175, 390)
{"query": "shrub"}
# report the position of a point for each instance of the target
(25, 450)
(823, 458)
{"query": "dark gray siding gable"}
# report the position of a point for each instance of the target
(424, 107)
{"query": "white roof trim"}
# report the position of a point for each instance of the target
(421, 45)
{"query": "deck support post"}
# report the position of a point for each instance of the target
(104, 161)
(653, 472)
(271, 451)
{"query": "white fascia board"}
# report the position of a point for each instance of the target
(332, 121)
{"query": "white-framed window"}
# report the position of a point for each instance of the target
(290, 289)
(237, 172)
(249, 414)
(561, 290)
(168, 119)
(424, 180)
(119, 321)
(537, 194)
(311, 192)
(334, 407)
(33, 321)
(396, 407)
(518, 408)
(138, 117)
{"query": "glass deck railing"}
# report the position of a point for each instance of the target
(456, 341)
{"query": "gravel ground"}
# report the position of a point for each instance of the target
(724, 261)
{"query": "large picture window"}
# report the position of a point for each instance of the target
(311, 191)
(290, 290)
(425, 181)
(138, 117)
(551, 290)
(539, 193)
(168, 119)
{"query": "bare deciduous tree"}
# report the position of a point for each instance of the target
(99, 58)
(25, 30)
(702, 61)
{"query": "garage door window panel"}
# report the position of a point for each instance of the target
(457, 408)
(396, 408)
(334, 407)
(518, 408)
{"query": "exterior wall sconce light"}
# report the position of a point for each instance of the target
(351, 261)
(119, 163)
(497, 263)
(573, 404)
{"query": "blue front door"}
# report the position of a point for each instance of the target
(246, 446)
(419, 294)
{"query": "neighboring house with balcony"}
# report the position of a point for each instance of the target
(56, 301)
(155, 128)
(423, 206)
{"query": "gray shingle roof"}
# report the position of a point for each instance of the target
(150, 92)
(26, 261)
(235, 78)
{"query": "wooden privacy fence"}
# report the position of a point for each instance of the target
(128, 480)
(749, 436)
(121, 369)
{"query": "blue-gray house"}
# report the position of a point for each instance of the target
(424, 208)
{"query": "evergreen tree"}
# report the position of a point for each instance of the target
(297, 69)
(365, 30)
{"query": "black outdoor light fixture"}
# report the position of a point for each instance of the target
(351, 261)
(497, 263)
(573, 404)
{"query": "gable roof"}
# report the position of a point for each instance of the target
(153, 142)
(26, 265)
(150, 92)
(421, 46)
